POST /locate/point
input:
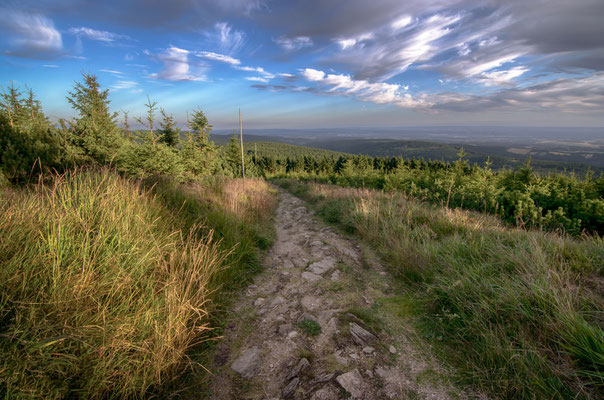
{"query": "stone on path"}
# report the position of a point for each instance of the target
(309, 276)
(353, 383)
(359, 335)
(248, 363)
(392, 349)
(321, 267)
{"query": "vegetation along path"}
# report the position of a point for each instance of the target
(307, 330)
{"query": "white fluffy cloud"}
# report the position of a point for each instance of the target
(379, 93)
(30, 35)
(176, 66)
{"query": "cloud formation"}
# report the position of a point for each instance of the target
(100, 36)
(30, 35)
(294, 43)
(176, 66)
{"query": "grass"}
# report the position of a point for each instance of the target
(309, 327)
(106, 286)
(519, 313)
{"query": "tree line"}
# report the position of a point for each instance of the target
(520, 196)
(30, 144)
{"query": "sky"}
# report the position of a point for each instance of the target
(317, 63)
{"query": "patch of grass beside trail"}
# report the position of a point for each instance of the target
(519, 313)
(106, 286)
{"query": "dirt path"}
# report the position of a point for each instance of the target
(296, 333)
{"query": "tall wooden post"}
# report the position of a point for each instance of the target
(242, 158)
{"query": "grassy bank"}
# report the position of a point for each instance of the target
(519, 313)
(106, 284)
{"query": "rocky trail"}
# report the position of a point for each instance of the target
(296, 332)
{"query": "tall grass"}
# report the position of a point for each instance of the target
(520, 313)
(103, 288)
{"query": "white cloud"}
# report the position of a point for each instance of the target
(503, 77)
(379, 93)
(219, 57)
(259, 70)
(124, 85)
(312, 74)
(464, 49)
(295, 43)
(31, 35)
(111, 71)
(490, 64)
(346, 43)
(229, 39)
(176, 66)
(50, 66)
(257, 79)
(401, 22)
(93, 34)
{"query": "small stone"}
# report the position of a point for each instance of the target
(288, 264)
(354, 356)
(369, 373)
(359, 335)
(326, 393)
(284, 329)
(309, 276)
(353, 383)
(259, 302)
(392, 349)
(335, 276)
(306, 317)
(321, 267)
(248, 363)
(278, 300)
(322, 378)
(368, 350)
(292, 335)
(290, 389)
(302, 365)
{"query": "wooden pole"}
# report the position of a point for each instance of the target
(242, 158)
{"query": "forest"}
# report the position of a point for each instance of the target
(551, 201)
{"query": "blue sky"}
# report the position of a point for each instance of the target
(318, 63)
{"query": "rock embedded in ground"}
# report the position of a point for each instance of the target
(321, 267)
(368, 350)
(301, 366)
(290, 389)
(360, 335)
(288, 264)
(284, 329)
(309, 276)
(259, 302)
(248, 363)
(353, 383)
(326, 393)
(392, 349)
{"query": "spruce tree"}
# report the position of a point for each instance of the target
(95, 128)
(200, 128)
(169, 134)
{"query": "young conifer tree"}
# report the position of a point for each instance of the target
(169, 133)
(95, 128)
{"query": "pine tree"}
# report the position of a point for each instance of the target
(95, 128)
(200, 128)
(169, 134)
